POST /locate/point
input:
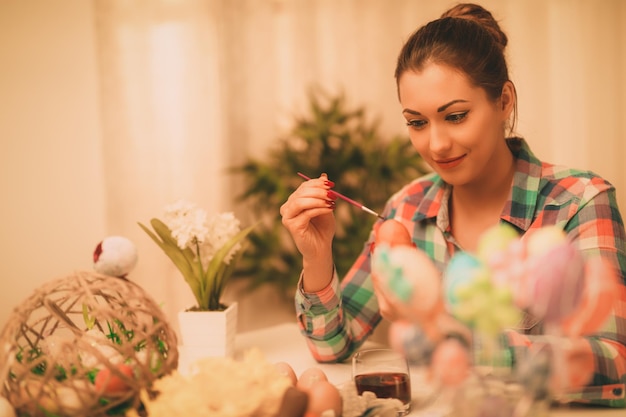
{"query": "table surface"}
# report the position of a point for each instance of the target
(284, 343)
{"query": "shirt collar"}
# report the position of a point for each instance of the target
(520, 206)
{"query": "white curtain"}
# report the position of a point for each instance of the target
(192, 87)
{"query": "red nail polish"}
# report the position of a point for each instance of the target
(329, 184)
(372, 247)
(330, 204)
(331, 195)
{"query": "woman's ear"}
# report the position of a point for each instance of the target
(507, 99)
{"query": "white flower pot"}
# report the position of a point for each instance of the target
(206, 334)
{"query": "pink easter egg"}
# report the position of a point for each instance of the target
(450, 363)
(556, 281)
(542, 240)
(601, 291)
(393, 233)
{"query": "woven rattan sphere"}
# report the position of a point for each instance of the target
(84, 345)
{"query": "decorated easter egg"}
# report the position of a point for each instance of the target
(495, 241)
(450, 363)
(541, 241)
(534, 371)
(600, 292)
(410, 340)
(109, 382)
(115, 256)
(461, 271)
(409, 277)
(472, 297)
(556, 282)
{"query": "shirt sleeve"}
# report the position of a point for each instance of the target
(338, 319)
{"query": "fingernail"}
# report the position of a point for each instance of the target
(330, 203)
(329, 184)
(372, 247)
(331, 195)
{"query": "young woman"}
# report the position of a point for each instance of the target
(460, 108)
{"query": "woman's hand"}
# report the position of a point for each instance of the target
(308, 216)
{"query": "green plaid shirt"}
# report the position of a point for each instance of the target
(338, 319)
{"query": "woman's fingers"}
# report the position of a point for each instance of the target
(312, 198)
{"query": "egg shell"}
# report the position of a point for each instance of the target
(324, 396)
(542, 240)
(293, 403)
(462, 269)
(6, 409)
(109, 382)
(556, 283)
(285, 369)
(393, 233)
(409, 277)
(495, 240)
(310, 376)
(409, 339)
(450, 363)
(115, 256)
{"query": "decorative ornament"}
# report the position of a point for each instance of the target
(115, 256)
(85, 344)
(540, 278)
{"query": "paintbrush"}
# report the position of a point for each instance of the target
(349, 200)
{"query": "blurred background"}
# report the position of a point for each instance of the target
(112, 109)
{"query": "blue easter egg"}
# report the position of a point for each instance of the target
(461, 271)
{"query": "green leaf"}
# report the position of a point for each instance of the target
(215, 276)
(182, 259)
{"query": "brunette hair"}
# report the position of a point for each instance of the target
(466, 37)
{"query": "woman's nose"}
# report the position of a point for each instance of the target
(439, 140)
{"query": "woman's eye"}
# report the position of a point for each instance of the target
(416, 123)
(457, 117)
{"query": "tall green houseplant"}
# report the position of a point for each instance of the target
(341, 142)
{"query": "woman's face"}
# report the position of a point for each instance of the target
(454, 125)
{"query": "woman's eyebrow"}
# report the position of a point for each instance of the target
(445, 106)
(439, 109)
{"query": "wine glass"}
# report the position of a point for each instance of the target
(384, 372)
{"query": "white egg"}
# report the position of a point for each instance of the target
(6, 409)
(324, 396)
(310, 376)
(285, 369)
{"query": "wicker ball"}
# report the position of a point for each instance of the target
(86, 344)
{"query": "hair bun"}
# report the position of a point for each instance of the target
(481, 16)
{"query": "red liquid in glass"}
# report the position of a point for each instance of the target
(385, 385)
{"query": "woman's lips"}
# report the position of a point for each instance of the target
(449, 163)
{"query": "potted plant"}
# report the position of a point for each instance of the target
(342, 142)
(205, 250)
